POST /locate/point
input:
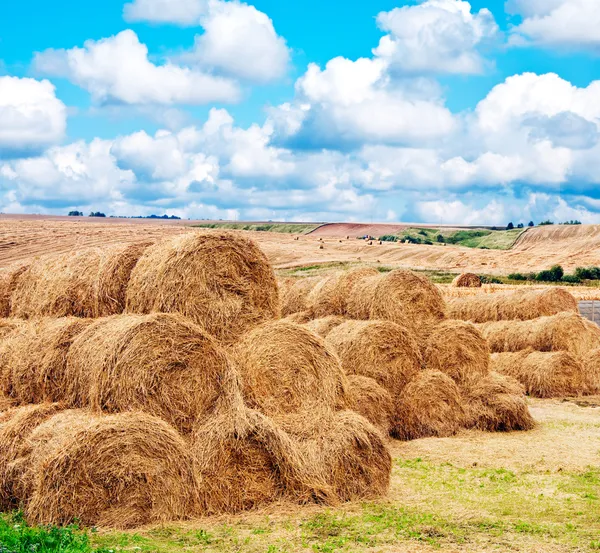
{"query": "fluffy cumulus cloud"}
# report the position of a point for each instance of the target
(181, 12)
(437, 36)
(118, 70)
(31, 116)
(570, 23)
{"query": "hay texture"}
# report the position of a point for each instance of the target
(220, 280)
(519, 305)
(9, 278)
(300, 318)
(591, 367)
(324, 326)
(360, 297)
(381, 350)
(430, 406)
(294, 297)
(289, 372)
(161, 364)
(467, 280)
(458, 349)
(115, 471)
(544, 375)
(33, 359)
(408, 299)
(563, 332)
(372, 401)
(8, 326)
(497, 403)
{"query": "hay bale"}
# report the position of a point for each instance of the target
(429, 406)
(58, 286)
(220, 280)
(115, 471)
(352, 454)
(324, 299)
(294, 299)
(381, 350)
(409, 299)
(15, 426)
(289, 372)
(457, 349)
(591, 367)
(544, 375)
(9, 278)
(33, 359)
(520, 305)
(303, 317)
(372, 401)
(8, 326)
(467, 280)
(360, 297)
(116, 265)
(324, 326)
(497, 403)
(161, 364)
(563, 332)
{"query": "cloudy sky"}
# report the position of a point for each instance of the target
(429, 111)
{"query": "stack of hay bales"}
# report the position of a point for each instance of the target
(196, 400)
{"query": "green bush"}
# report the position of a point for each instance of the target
(571, 279)
(462, 235)
(555, 274)
(412, 239)
(388, 238)
(588, 273)
(486, 279)
(517, 276)
(546, 223)
(428, 242)
(422, 233)
(440, 239)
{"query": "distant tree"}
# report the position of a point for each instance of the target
(510, 226)
(531, 224)
(440, 239)
(520, 225)
(75, 214)
(97, 214)
(545, 223)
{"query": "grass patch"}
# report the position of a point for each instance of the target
(482, 238)
(285, 228)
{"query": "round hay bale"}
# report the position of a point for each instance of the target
(372, 401)
(303, 317)
(430, 406)
(544, 375)
(116, 265)
(496, 403)
(467, 280)
(289, 372)
(381, 350)
(294, 298)
(161, 364)
(409, 299)
(353, 456)
(33, 359)
(9, 278)
(115, 471)
(220, 280)
(591, 366)
(15, 427)
(324, 326)
(246, 461)
(457, 349)
(58, 286)
(563, 332)
(520, 305)
(360, 296)
(324, 299)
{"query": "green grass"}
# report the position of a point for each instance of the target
(286, 228)
(482, 238)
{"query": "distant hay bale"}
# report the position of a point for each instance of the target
(161, 364)
(563, 332)
(115, 269)
(457, 349)
(360, 297)
(288, 372)
(429, 406)
(324, 326)
(591, 366)
(15, 427)
(544, 375)
(353, 456)
(114, 471)
(467, 280)
(220, 280)
(58, 286)
(9, 278)
(294, 298)
(497, 403)
(33, 359)
(372, 401)
(520, 305)
(382, 350)
(409, 299)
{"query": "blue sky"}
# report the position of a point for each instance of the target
(437, 110)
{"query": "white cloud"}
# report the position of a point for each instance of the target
(569, 23)
(117, 70)
(440, 36)
(31, 117)
(182, 12)
(458, 212)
